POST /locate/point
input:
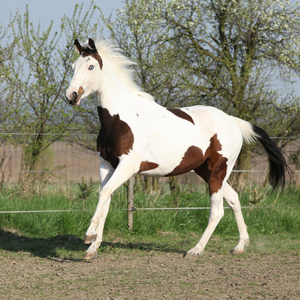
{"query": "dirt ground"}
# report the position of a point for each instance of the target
(150, 275)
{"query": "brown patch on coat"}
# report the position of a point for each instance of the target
(214, 169)
(147, 165)
(211, 166)
(192, 158)
(115, 137)
(181, 114)
(80, 92)
(95, 55)
(89, 50)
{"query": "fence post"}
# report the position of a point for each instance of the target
(130, 207)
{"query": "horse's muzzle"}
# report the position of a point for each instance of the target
(74, 98)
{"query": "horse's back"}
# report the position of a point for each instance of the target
(185, 134)
(218, 123)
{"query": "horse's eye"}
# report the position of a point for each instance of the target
(91, 67)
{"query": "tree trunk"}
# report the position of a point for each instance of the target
(240, 179)
(30, 161)
(155, 185)
(174, 186)
(147, 184)
(139, 183)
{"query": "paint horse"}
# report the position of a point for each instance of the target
(138, 135)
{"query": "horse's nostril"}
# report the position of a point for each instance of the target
(72, 98)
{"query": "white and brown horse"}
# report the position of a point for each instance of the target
(139, 136)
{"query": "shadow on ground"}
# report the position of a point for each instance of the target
(49, 247)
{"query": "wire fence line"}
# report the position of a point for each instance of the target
(95, 134)
(48, 134)
(130, 208)
(69, 163)
(60, 171)
(93, 171)
(138, 209)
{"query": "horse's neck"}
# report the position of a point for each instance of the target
(112, 92)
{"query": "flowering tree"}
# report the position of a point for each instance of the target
(239, 50)
(232, 54)
(34, 80)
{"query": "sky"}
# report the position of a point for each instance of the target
(44, 11)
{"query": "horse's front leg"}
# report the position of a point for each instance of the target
(106, 172)
(98, 223)
(127, 167)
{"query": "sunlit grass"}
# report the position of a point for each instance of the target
(272, 224)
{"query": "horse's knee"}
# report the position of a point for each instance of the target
(215, 217)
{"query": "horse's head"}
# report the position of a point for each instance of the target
(87, 70)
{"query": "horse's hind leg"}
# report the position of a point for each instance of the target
(215, 215)
(215, 174)
(232, 199)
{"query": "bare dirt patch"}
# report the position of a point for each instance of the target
(150, 275)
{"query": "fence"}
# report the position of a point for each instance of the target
(66, 161)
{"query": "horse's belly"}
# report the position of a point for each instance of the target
(155, 173)
(171, 158)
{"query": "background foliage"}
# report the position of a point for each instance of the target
(233, 55)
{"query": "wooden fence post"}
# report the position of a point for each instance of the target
(130, 207)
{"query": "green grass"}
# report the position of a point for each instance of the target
(274, 221)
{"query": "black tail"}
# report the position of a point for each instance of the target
(277, 162)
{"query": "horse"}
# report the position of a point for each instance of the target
(139, 136)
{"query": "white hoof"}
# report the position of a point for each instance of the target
(90, 255)
(193, 254)
(239, 249)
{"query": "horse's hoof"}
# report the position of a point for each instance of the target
(237, 251)
(90, 255)
(90, 239)
(191, 255)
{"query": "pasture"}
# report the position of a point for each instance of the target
(41, 253)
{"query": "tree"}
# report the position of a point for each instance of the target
(238, 49)
(236, 43)
(8, 111)
(242, 41)
(7, 53)
(138, 31)
(36, 80)
(225, 53)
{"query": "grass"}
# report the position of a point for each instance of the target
(273, 223)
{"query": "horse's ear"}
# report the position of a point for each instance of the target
(78, 47)
(92, 45)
